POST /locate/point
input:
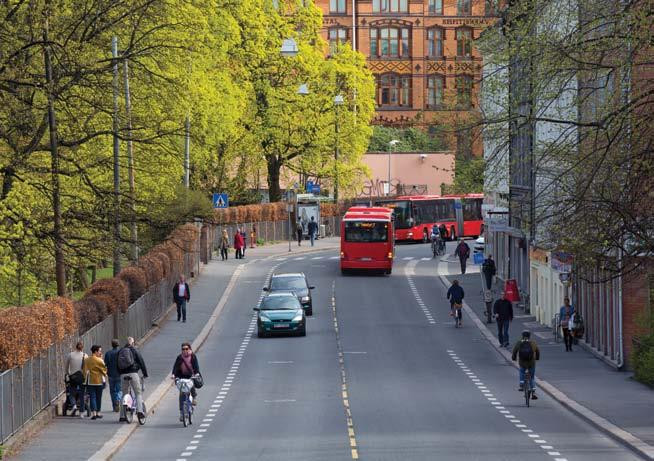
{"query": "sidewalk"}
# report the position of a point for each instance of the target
(582, 380)
(73, 438)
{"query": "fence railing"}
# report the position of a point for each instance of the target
(27, 390)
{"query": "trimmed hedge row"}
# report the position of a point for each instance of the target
(28, 330)
(269, 212)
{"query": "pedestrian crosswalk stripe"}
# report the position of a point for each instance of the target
(318, 257)
(300, 258)
(333, 257)
(280, 259)
(408, 258)
(425, 259)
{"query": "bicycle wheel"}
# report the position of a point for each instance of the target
(185, 415)
(527, 390)
(190, 413)
(142, 419)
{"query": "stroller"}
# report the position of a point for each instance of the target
(74, 395)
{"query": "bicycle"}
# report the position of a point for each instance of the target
(185, 400)
(129, 403)
(527, 387)
(437, 247)
(457, 314)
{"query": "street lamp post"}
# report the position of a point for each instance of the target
(338, 102)
(390, 150)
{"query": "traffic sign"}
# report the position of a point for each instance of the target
(220, 200)
(310, 187)
(315, 189)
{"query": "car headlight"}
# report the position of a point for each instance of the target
(297, 318)
(304, 299)
(263, 318)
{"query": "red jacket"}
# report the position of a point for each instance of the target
(238, 241)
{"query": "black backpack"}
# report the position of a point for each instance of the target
(526, 352)
(125, 359)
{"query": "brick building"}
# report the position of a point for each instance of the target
(426, 70)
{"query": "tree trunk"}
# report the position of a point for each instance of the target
(274, 167)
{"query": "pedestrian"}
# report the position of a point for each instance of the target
(253, 237)
(73, 371)
(503, 310)
(181, 295)
(299, 231)
(443, 231)
(244, 234)
(455, 294)
(186, 366)
(95, 372)
(238, 243)
(130, 362)
(489, 270)
(565, 315)
(463, 252)
(527, 352)
(224, 245)
(313, 229)
(111, 361)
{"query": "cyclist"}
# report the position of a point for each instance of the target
(455, 294)
(185, 367)
(527, 352)
(130, 362)
(435, 239)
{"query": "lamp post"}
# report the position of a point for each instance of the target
(338, 102)
(198, 224)
(289, 209)
(391, 144)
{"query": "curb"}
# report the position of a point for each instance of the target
(626, 438)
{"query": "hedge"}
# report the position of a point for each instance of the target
(136, 281)
(269, 212)
(114, 291)
(643, 360)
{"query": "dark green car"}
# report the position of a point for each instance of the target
(279, 313)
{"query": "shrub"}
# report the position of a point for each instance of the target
(17, 333)
(136, 282)
(87, 313)
(164, 262)
(643, 359)
(115, 291)
(152, 267)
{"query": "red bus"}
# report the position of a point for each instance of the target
(415, 215)
(367, 239)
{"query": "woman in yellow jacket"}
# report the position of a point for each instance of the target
(95, 372)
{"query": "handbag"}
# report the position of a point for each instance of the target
(77, 378)
(198, 382)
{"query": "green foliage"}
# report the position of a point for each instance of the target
(643, 360)
(411, 140)
(468, 177)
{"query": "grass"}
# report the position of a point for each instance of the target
(104, 273)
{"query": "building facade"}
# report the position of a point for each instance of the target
(421, 52)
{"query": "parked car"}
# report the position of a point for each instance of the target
(280, 312)
(296, 283)
(479, 245)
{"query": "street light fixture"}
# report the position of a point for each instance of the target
(338, 102)
(391, 144)
(289, 48)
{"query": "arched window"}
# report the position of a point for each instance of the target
(435, 42)
(464, 42)
(394, 90)
(435, 87)
(389, 42)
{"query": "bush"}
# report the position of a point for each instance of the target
(17, 333)
(113, 291)
(88, 312)
(136, 282)
(643, 359)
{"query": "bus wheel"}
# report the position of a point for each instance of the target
(452, 234)
(389, 271)
(425, 236)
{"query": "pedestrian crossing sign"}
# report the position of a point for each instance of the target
(220, 200)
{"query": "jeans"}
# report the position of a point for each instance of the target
(95, 394)
(114, 390)
(223, 253)
(532, 381)
(299, 238)
(463, 262)
(76, 398)
(181, 309)
(503, 331)
(567, 338)
(135, 384)
(312, 236)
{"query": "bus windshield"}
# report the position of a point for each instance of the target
(401, 212)
(366, 231)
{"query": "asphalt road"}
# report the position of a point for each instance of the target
(381, 375)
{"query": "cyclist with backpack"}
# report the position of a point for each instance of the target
(130, 362)
(456, 294)
(527, 352)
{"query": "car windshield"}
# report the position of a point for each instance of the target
(288, 283)
(280, 303)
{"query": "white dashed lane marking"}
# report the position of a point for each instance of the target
(503, 411)
(409, 272)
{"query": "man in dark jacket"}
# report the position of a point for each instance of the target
(181, 295)
(527, 352)
(455, 294)
(489, 270)
(111, 361)
(313, 229)
(503, 310)
(130, 362)
(463, 252)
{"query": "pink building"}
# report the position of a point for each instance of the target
(410, 172)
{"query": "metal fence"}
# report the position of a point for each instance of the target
(27, 390)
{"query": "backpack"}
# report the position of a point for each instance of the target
(526, 352)
(125, 359)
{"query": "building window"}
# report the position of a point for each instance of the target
(435, 85)
(337, 6)
(394, 90)
(491, 8)
(337, 36)
(464, 91)
(435, 6)
(464, 7)
(390, 6)
(435, 42)
(464, 42)
(389, 42)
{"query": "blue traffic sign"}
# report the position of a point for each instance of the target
(315, 189)
(220, 200)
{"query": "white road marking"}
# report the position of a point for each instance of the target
(425, 259)
(317, 257)
(407, 258)
(409, 272)
(299, 259)
(334, 257)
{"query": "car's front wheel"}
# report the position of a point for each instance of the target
(261, 333)
(309, 310)
(302, 331)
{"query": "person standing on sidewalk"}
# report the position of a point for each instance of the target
(181, 295)
(73, 371)
(111, 361)
(224, 245)
(565, 314)
(130, 362)
(313, 229)
(245, 241)
(463, 252)
(95, 372)
(503, 310)
(489, 270)
(527, 352)
(299, 231)
(238, 243)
